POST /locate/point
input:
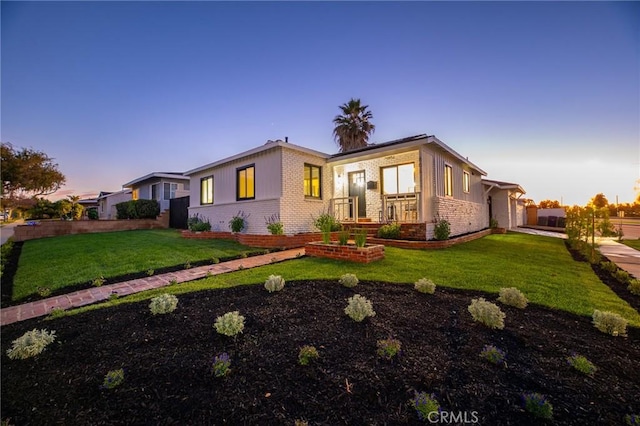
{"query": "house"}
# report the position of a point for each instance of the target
(160, 186)
(505, 203)
(418, 180)
(88, 204)
(107, 203)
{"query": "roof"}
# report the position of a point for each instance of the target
(503, 185)
(403, 144)
(168, 175)
(267, 146)
(110, 194)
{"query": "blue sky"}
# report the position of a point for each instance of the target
(543, 94)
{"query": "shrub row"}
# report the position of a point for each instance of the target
(138, 209)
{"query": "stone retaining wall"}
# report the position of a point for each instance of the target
(367, 254)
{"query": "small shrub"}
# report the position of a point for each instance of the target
(349, 280)
(44, 291)
(274, 283)
(97, 282)
(622, 276)
(215, 260)
(173, 282)
(274, 225)
(221, 364)
(487, 313)
(326, 233)
(327, 222)
(343, 237)
(388, 348)
(197, 223)
(238, 222)
(424, 404)
(610, 267)
(113, 379)
(93, 214)
(150, 272)
(632, 419)
(634, 287)
(513, 297)
(537, 405)
(360, 237)
(359, 308)
(307, 354)
(163, 304)
(187, 265)
(610, 323)
(390, 231)
(442, 230)
(230, 323)
(31, 344)
(493, 354)
(114, 295)
(582, 364)
(493, 223)
(424, 285)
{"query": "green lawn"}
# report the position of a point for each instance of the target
(632, 243)
(540, 267)
(62, 261)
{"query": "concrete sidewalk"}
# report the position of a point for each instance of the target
(624, 256)
(92, 295)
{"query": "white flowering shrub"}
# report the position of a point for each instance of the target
(349, 280)
(31, 344)
(487, 313)
(230, 323)
(513, 297)
(274, 283)
(163, 304)
(424, 285)
(359, 308)
(610, 323)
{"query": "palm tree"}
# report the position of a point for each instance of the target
(353, 126)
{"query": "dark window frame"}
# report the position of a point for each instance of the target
(238, 171)
(311, 167)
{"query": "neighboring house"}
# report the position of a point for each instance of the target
(505, 203)
(417, 179)
(160, 186)
(107, 203)
(88, 204)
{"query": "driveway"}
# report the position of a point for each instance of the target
(6, 231)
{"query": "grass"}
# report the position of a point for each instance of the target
(72, 259)
(540, 267)
(632, 243)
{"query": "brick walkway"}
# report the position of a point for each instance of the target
(97, 294)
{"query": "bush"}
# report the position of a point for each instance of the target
(163, 304)
(274, 283)
(113, 379)
(92, 214)
(442, 230)
(360, 237)
(388, 348)
(349, 280)
(343, 237)
(221, 364)
(230, 323)
(424, 404)
(31, 344)
(326, 222)
(197, 223)
(390, 231)
(138, 209)
(97, 282)
(307, 354)
(634, 287)
(582, 364)
(274, 225)
(610, 323)
(610, 267)
(359, 308)
(493, 354)
(238, 222)
(537, 405)
(622, 276)
(513, 297)
(487, 313)
(424, 285)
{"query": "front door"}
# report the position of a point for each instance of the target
(357, 188)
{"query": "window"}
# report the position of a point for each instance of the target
(448, 180)
(466, 182)
(135, 194)
(246, 183)
(170, 190)
(312, 182)
(206, 190)
(154, 192)
(398, 179)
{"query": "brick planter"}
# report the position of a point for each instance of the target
(367, 254)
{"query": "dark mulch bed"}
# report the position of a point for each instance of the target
(167, 361)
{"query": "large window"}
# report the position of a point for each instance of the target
(398, 179)
(154, 191)
(206, 190)
(448, 180)
(312, 181)
(246, 183)
(466, 182)
(170, 190)
(135, 194)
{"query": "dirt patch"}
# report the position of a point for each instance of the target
(167, 362)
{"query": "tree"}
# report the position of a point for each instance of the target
(599, 201)
(353, 127)
(549, 204)
(27, 173)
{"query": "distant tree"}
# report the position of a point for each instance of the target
(353, 127)
(27, 173)
(599, 201)
(549, 204)
(76, 208)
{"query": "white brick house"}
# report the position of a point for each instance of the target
(417, 179)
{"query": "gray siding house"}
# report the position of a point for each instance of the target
(160, 186)
(418, 179)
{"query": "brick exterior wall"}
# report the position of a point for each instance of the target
(61, 227)
(349, 253)
(464, 216)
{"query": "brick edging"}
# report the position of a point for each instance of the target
(419, 245)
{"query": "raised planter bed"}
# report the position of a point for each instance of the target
(350, 252)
